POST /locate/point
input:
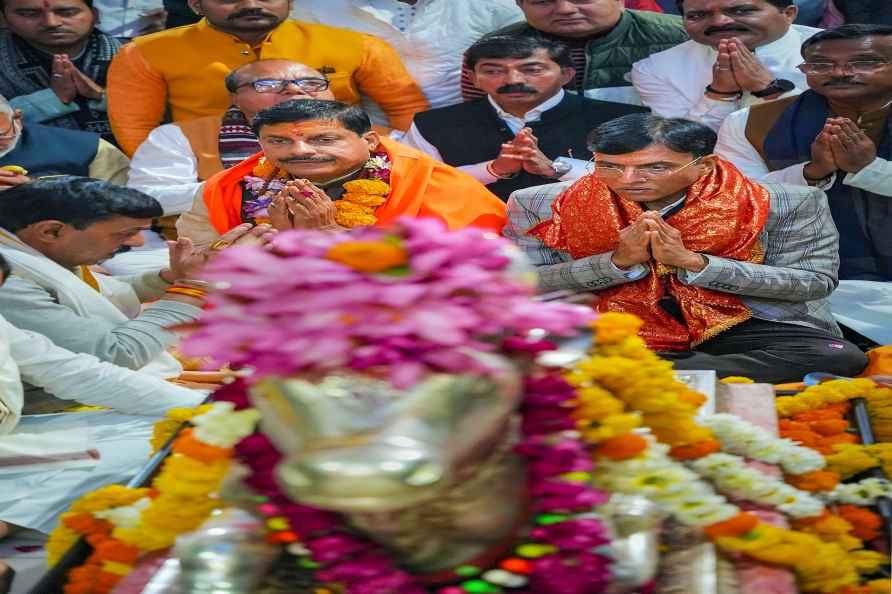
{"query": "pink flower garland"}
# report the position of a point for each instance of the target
(563, 543)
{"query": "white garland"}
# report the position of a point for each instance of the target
(221, 426)
(734, 478)
(669, 484)
(862, 493)
(739, 436)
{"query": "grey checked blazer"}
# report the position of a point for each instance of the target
(792, 285)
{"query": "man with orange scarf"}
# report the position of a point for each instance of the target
(323, 167)
(727, 274)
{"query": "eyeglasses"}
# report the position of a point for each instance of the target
(10, 132)
(277, 85)
(856, 67)
(655, 170)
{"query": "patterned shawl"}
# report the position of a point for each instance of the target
(722, 216)
(25, 70)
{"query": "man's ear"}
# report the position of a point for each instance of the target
(568, 73)
(372, 140)
(195, 5)
(49, 231)
(708, 163)
(790, 12)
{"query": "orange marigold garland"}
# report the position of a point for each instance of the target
(121, 523)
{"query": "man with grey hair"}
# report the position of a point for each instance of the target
(34, 150)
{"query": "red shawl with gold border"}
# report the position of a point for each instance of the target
(722, 216)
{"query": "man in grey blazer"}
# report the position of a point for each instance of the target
(728, 274)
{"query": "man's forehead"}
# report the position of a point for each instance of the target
(655, 153)
(538, 56)
(304, 128)
(44, 4)
(710, 5)
(880, 44)
(280, 70)
(118, 224)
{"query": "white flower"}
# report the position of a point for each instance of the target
(862, 493)
(223, 427)
(126, 516)
(739, 436)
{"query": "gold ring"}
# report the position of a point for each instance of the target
(220, 244)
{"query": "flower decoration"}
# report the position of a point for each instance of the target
(323, 301)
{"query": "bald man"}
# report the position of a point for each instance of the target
(173, 162)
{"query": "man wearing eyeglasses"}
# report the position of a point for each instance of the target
(741, 52)
(176, 159)
(836, 136)
(29, 150)
(727, 274)
(181, 69)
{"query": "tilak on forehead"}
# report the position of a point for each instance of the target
(305, 128)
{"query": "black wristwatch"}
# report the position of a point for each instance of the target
(776, 87)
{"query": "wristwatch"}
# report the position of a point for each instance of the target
(561, 166)
(776, 87)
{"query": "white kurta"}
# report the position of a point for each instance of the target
(672, 82)
(69, 454)
(734, 146)
(430, 37)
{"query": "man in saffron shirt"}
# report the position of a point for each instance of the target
(323, 167)
(727, 274)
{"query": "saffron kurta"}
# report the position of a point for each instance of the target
(184, 68)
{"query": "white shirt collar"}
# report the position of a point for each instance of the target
(534, 114)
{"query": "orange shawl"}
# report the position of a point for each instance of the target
(722, 216)
(421, 187)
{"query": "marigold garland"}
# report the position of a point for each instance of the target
(625, 384)
(121, 523)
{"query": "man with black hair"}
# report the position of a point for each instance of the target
(741, 52)
(727, 274)
(604, 39)
(48, 461)
(54, 61)
(52, 230)
(312, 151)
(527, 131)
(180, 71)
(836, 136)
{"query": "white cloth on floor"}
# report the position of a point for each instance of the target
(865, 307)
(35, 499)
(70, 454)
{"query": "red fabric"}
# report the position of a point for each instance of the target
(722, 216)
(650, 5)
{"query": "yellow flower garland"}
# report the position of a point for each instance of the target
(357, 205)
(624, 385)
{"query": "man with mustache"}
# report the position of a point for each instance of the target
(324, 167)
(726, 273)
(528, 131)
(54, 61)
(53, 230)
(837, 136)
(182, 69)
(176, 159)
(604, 39)
(741, 52)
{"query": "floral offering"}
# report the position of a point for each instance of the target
(403, 302)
